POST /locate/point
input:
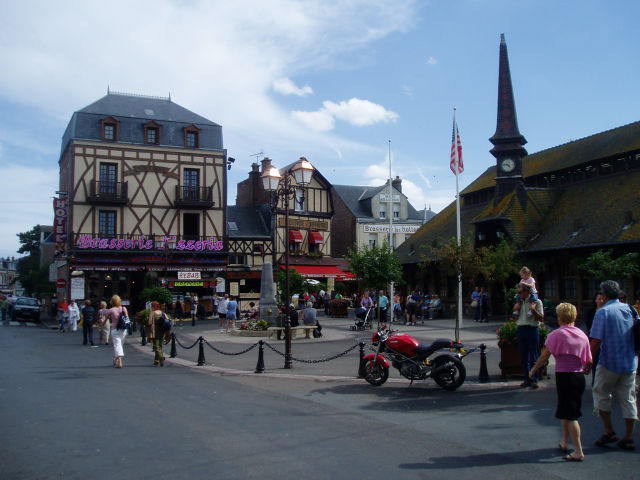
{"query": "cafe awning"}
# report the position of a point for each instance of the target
(295, 236)
(315, 238)
(321, 271)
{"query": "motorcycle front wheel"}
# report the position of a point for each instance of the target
(376, 374)
(451, 372)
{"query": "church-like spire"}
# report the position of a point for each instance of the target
(507, 133)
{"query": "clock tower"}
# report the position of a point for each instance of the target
(507, 141)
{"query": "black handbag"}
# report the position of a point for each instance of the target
(124, 323)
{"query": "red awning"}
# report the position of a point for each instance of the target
(315, 238)
(295, 236)
(319, 271)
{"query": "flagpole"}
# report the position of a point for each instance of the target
(458, 235)
(390, 209)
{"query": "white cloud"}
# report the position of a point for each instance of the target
(360, 113)
(286, 86)
(320, 121)
(432, 61)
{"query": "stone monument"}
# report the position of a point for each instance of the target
(268, 308)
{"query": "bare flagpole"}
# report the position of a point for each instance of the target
(390, 209)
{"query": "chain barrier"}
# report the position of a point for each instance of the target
(261, 343)
(231, 354)
(302, 360)
(186, 348)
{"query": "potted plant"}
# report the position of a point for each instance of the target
(508, 342)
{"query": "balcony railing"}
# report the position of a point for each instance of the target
(108, 193)
(194, 197)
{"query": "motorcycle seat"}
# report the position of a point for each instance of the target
(423, 351)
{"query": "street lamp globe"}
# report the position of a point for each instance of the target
(302, 171)
(271, 179)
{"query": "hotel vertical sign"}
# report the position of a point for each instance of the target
(61, 212)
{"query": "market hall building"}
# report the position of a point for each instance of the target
(559, 206)
(141, 201)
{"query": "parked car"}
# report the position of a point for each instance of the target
(26, 307)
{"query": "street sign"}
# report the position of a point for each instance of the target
(61, 283)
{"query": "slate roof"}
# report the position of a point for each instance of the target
(251, 221)
(609, 143)
(600, 212)
(357, 199)
(132, 112)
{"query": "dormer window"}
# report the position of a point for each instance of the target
(192, 137)
(109, 129)
(152, 133)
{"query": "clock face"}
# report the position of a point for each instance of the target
(508, 164)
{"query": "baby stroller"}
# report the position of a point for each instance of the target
(362, 318)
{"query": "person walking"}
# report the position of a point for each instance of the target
(475, 303)
(74, 316)
(155, 326)
(88, 317)
(104, 323)
(612, 336)
(179, 312)
(194, 309)
(570, 347)
(232, 315)
(528, 336)
(485, 307)
(223, 302)
(63, 313)
(383, 303)
(117, 336)
(4, 306)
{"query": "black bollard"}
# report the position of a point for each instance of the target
(260, 364)
(174, 352)
(483, 377)
(201, 352)
(360, 371)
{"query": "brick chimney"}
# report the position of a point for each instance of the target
(397, 183)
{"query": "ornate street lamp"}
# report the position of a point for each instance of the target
(282, 188)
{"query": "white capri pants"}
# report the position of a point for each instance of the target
(622, 385)
(117, 338)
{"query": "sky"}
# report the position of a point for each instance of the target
(335, 81)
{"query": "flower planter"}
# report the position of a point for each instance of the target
(510, 361)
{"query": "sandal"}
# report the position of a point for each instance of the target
(626, 444)
(563, 449)
(607, 438)
(569, 458)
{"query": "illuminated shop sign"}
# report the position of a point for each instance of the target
(61, 210)
(190, 284)
(189, 276)
(144, 243)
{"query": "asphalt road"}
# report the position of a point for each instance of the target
(65, 412)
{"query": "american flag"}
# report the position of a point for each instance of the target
(456, 150)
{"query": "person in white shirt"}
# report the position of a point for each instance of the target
(223, 302)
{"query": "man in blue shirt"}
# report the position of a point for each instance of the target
(612, 336)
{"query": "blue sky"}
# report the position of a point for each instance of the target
(329, 80)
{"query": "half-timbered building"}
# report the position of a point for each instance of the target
(309, 239)
(143, 181)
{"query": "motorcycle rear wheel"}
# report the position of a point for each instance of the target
(453, 374)
(377, 374)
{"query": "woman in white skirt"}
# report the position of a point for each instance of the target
(74, 316)
(117, 336)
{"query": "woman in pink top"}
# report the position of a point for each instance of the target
(570, 347)
(117, 336)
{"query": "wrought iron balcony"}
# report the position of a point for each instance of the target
(108, 193)
(194, 197)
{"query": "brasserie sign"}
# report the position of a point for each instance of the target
(144, 243)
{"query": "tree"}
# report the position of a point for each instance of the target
(30, 241)
(499, 262)
(377, 266)
(453, 259)
(602, 266)
(157, 294)
(297, 284)
(33, 278)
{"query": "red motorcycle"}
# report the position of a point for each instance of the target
(412, 360)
